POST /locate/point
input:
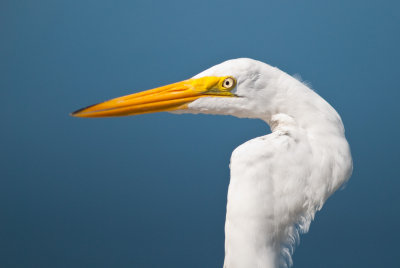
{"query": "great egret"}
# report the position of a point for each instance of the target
(278, 181)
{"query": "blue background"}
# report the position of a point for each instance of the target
(150, 191)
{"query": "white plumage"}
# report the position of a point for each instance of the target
(278, 181)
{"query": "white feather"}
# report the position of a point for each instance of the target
(280, 180)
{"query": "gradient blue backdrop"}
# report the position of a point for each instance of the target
(150, 191)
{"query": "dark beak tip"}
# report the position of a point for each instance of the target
(77, 112)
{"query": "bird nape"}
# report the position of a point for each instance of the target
(278, 181)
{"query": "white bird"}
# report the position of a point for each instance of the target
(278, 181)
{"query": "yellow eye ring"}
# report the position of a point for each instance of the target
(228, 82)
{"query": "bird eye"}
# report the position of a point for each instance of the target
(228, 82)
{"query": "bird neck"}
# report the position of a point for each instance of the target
(306, 109)
(258, 231)
(245, 248)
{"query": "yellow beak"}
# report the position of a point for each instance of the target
(166, 98)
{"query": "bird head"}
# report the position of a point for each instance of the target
(235, 87)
